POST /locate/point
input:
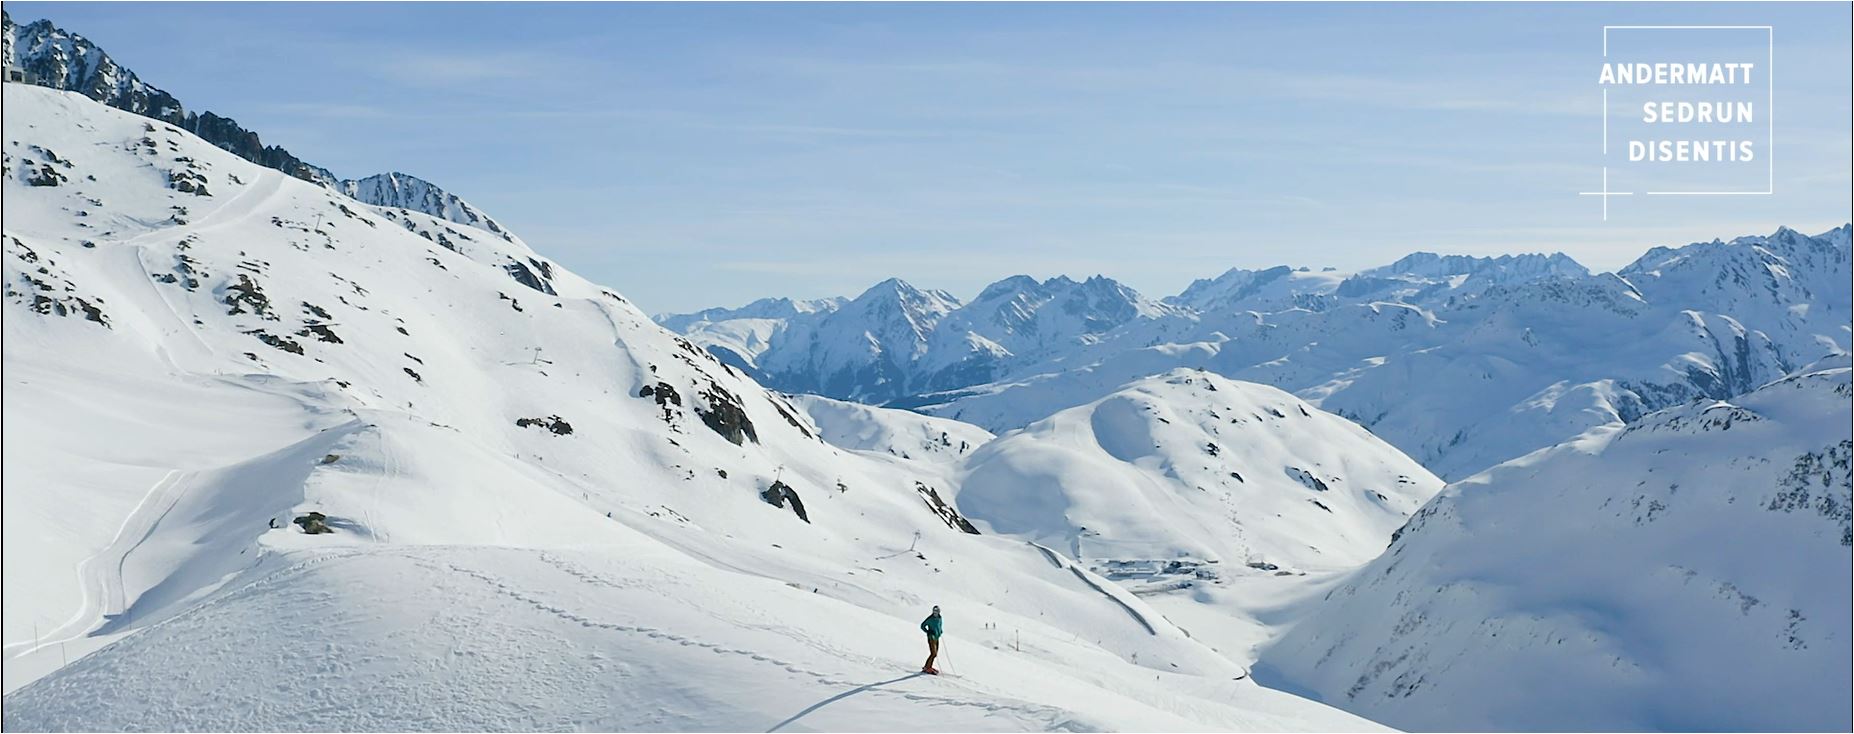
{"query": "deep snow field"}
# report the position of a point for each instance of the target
(549, 512)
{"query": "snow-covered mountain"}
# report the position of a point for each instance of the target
(1688, 571)
(1018, 321)
(403, 191)
(60, 59)
(895, 340)
(900, 433)
(1188, 474)
(63, 60)
(770, 309)
(1463, 376)
(1461, 362)
(738, 335)
(545, 511)
(1269, 289)
(861, 350)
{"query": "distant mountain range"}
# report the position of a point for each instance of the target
(1460, 361)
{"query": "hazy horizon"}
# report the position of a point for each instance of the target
(704, 155)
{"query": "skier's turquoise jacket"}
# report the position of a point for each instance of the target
(931, 626)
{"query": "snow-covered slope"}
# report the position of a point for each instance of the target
(632, 637)
(60, 59)
(200, 350)
(1689, 571)
(1194, 474)
(894, 432)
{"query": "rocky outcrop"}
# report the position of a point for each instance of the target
(314, 523)
(780, 493)
(552, 423)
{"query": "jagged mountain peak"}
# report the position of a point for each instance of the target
(1505, 267)
(1007, 287)
(405, 191)
(898, 288)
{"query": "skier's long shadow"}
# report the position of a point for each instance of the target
(839, 697)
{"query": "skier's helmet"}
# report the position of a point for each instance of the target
(936, 609)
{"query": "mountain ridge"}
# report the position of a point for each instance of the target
(63, 60)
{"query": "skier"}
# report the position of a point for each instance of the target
(931, 626)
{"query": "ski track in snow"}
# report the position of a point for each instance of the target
(1046, 714)
(101, 575)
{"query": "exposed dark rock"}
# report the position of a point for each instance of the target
(284, 343)
(44, 175)
(247, 293)
(724, 415)
(787, 415)
(525, 276)
(1306, 478)
(314, 523)
(552, 423)
(780, 493)
(1820, 483)
(189, 182)
(321, 332)
(947, 514)
(662, 391)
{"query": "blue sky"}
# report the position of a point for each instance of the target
(709, 154)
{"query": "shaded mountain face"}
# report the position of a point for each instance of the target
(63, 60)
(1612, 582)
